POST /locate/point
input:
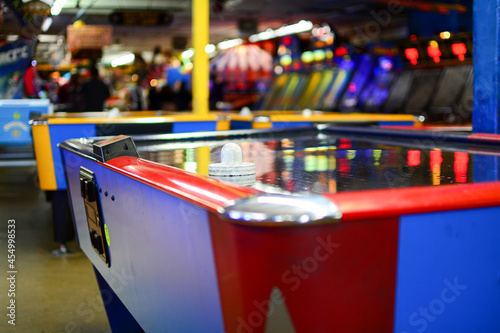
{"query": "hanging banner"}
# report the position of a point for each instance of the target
(15, 59)
(88, 37)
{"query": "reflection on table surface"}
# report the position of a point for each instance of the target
(326, 164)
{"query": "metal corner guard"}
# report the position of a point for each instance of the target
(281, 210)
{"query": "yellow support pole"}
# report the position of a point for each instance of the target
(200, 36)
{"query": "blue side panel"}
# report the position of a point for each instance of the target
(279, 124)
(120, 319)
(395, 123)
(448, 275)
(60, 133)
(161, 252)
(193, 126)
(240, 124)
(486, 63)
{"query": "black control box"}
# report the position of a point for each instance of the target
(97, 228)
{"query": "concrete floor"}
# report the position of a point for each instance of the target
(53, 294)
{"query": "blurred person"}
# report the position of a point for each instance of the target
(167, 98)
(136, 97)
(94, 92)
(154, 99)
(69, 94)
(31, 88)
(182, 96)
(217, 91)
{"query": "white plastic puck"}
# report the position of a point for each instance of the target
(232, 168)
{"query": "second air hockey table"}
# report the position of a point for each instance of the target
(49, 131)
(345, 230)
(307, 117)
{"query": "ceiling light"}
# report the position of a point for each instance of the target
(123, 60)
(227, 44)
(210, 48)
(189, 53)
(296, 28)
(46, 24)
(57, 7)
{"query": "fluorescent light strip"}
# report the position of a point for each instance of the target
(57, 6)
(210, 48)
(283, 31)
(227, 44)
(189, 53)
(46, 24)
(123, 60)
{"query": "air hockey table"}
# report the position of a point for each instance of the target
(345, 230)
(49, 131)
(307, 117)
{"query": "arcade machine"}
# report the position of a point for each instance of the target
(16, 143)
(422, 89)
(295, 89)
(339, 83)
(277, 89)
(376, 91)
(356, 85)
(315, 90)
(454, 84)
(315, 80)
(327, 79)
(323, 91)
(398, 94)
(16, 86)
(441, 77)
(332, 59)
(379, 226)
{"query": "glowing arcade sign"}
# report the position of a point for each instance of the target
(434, 52)
(459, 49)
(412, 55)
(341, 51)
(451, 50)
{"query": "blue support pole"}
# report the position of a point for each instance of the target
(486, 49)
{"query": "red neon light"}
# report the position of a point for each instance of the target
(344, 167)
(434, 52)
(459, 49)
(413, 157)
(345, 144)
(412, 55)
(341, 51)
(436, 158)
(352, 87)
(413, 37)
(460, 166)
